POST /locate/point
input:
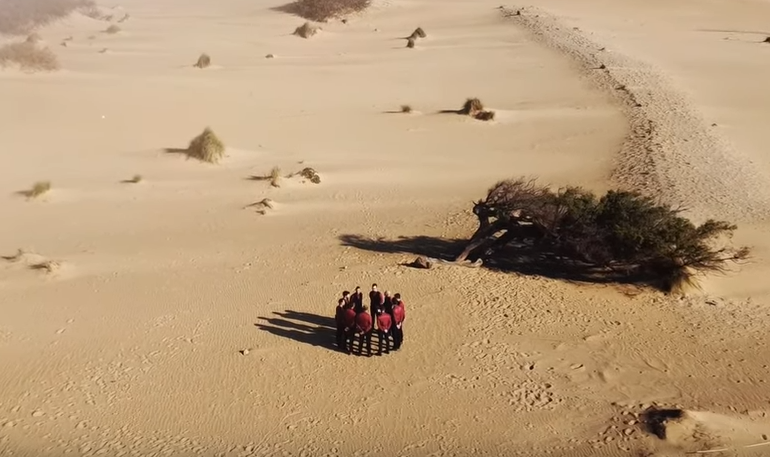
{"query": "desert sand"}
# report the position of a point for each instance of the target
(169, 317)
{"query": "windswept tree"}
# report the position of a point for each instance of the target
(621, 234)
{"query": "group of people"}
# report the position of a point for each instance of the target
(385, 315)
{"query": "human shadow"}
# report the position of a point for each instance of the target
(529, 259)
(307, 328)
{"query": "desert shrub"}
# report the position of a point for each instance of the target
(206, 147)
(618, 233)
(136, 179)
(28, 56)
(471, 107)
(19, 17)
(410, 42)
(275, 177)
(203, 61)
(311, 175)
(38, 189)
(406, 109)
(306, 30)
(485, 115)
(113, 29)
(418, 33)
(323, 10)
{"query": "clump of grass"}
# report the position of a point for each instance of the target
(262, 206)
(311, 175)
(471, 107)
(275, 177)
(18, 17)
(203, 61)
(49, 266)
(323, 10)
(113, 29)
(270, 56)
(135, 180)
(206, 147)
(410, 42)
(306, 30)
(485, 115)
(28, 56)
(406, 109)
(38, 189)
(418, 33)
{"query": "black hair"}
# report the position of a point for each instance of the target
(345, 293)
(397, 296)
(374, 285)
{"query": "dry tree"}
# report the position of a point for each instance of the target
(204, 61)
(306, 30)
(206, 147)
(621, 236)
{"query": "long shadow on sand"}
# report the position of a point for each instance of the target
(524, 259)
(308, 328)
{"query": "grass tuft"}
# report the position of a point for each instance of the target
(323, 10)
(275, 177)
(311, 175)
(206, 147)
(418, 33)
(204, 61)
(38, 189)
(28, 56)
(410, 42)
(113, 29)
(472, 107)
(306, 30)
(406, 109)
(485, 115)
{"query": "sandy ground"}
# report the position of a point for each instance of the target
(132, 346)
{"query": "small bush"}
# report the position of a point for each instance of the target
(203, 61)
(323, 10)
(485, 115)
(471, 107)
(410, 42)
(18, 17)
(618, 235)
(275, 177)
(28, 56)
(38, 189)
(418, 33)
(113, 29)
(406, 109)
(306, 30)
(311, 175)
(49, 266)
(135, 180)
(206, 147)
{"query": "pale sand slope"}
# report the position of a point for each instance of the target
(133, 346)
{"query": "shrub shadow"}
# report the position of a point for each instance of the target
(524, 259)
(307, 328)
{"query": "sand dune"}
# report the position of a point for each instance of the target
(135, 344)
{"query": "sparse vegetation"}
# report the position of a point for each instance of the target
(418, 33)
(406, 109)
(306, 30)
(620, 236)
(310, 174)
(203, 61)
(135, 180)
(33, 38)
(410, 42)
(206, 147)
(19, 17)
(113, 29)
(485, 115)
(38, 189)
(262, 206)
(49, 266)
(28, 56)
(124, 18)
(323, 10)
(471, 107)
(269, 56)
(275, 177)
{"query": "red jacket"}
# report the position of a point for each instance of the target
(399, 314)
(349, 318)
(384, 322)
(363, 323)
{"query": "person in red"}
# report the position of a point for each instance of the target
(349, 321)
(339, 319)
(364, 329)
(384, 323)
(399, 314)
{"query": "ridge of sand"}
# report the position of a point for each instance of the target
(670, 152)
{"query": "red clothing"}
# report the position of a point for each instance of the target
(349, 318)
(384, 322)
(363, 323)
(399, 314)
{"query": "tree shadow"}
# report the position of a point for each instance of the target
(529, 259)
(307, 328)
